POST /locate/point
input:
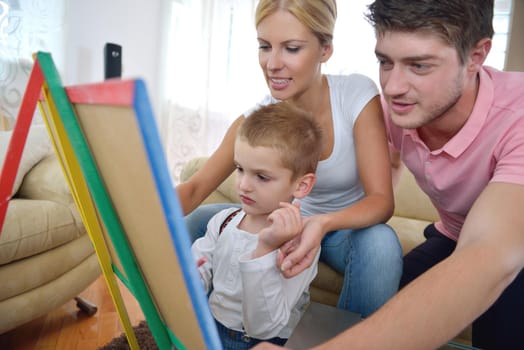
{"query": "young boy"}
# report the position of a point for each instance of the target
(276, 154)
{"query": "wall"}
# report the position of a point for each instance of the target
(515, 51)
(134, 24)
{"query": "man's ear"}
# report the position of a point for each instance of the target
(304, 185)
(478, 54)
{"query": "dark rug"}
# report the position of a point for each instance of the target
(143, 336)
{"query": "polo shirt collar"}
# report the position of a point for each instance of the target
(471, 129)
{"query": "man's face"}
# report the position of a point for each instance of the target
(421, 77)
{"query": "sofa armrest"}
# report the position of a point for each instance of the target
(46, 181)
(225, 193)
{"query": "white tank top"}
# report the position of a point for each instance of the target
(338, 184)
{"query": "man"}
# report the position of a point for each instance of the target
(459, 127)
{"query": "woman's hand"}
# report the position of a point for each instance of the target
(299, 253)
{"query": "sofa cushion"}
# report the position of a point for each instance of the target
(34, 226)
(46, 181)
(410, 232)
(411, 202)
(44, 298)
(225, 193)
(37, 146)
(26, 274)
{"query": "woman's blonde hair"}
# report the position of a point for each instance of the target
(318, 15)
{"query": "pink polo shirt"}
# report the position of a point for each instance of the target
(488, 148)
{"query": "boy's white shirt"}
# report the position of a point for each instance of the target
(249, 294)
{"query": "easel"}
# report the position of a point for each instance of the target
(159, 269)
(80, 192)
(36, 85)
(18, 139)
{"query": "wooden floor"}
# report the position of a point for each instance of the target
(68, 328)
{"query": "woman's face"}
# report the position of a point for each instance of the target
(290, 55)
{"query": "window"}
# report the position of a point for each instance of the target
(501, 20)
(355, 40)
(25, 27)
(219, 58)
(213, 75)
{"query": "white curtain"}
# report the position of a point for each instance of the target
(212, 74)
(209, 80)
(25, 27)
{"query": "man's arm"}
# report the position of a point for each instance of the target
(436, 306)
(439, 304)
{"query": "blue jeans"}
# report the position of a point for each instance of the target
(370, 260)
(234, 340)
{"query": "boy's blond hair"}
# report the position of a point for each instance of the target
(290, 130)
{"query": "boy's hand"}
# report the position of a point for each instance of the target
(285, 224)
(299, 253)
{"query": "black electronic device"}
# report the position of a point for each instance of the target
(112, 61)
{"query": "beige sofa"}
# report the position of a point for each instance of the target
(46, 257)
(413, 212)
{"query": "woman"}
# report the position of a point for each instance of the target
(353, 195)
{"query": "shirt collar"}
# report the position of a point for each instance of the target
(471, 129)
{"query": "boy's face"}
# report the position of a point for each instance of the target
(421, 77)
(261, 180)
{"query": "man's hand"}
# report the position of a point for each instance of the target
(299, 253)
(285, 223)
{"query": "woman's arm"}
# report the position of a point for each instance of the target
(216, 169)
(374, 167)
